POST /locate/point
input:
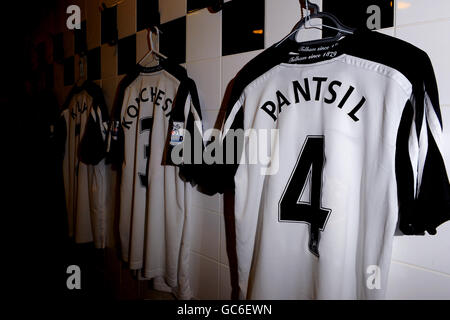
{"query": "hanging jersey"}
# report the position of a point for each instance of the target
(83, 126)
(154, 200)
(341, 142)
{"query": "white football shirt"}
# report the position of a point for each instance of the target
(355, 151)
(84, 125)
(154, 200)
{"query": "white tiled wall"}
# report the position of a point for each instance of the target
(421, 265)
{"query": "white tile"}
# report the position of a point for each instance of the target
(205, 232)
(142, 46)
(109, 88)
(431, 252)
(206, 74)
(109, 61)
(387, 31)
(410, 283)
(413, 11)
(203, 35)
(446, 137)
(69, 43)
(126, 18)
(224, 283)
(209, 118)
(204, 277)
(171, 9)
(93, 24)
(212, 119)
(280, 19)
(204, 201)
(434, 39)
(232, 64)
(223, 257)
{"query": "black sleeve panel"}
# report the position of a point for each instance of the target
(193, 167)
(115, 139)
(404, 173)
(433, 203)
(98, 99)
(220, 176)
(430, 206)
(174, 69)
(93, 144)
(192, 145)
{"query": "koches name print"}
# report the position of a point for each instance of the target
(155, 95)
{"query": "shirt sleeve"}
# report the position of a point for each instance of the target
(424, 190)
(115, 138)
(184, 144)
(93, 144)
(224, 146)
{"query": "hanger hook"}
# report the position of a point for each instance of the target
(158, 32)
(155, 30)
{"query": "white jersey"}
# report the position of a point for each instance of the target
(83, 125)
(154, 200)
(355, 151)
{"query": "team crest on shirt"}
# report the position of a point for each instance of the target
(177, 133)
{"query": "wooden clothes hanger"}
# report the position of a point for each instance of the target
(306, 22)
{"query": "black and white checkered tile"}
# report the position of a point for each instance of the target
(241, 28)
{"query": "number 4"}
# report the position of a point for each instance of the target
(309, 167)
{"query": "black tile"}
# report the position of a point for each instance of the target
(69, 71)
(212, 5)
(126, 51)
(109, 25)
(80, 39)
(353, 13)
(147, 14)
(94, 66)
(173, 40)
(242, 26)
(193, 5)
(58, 47)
